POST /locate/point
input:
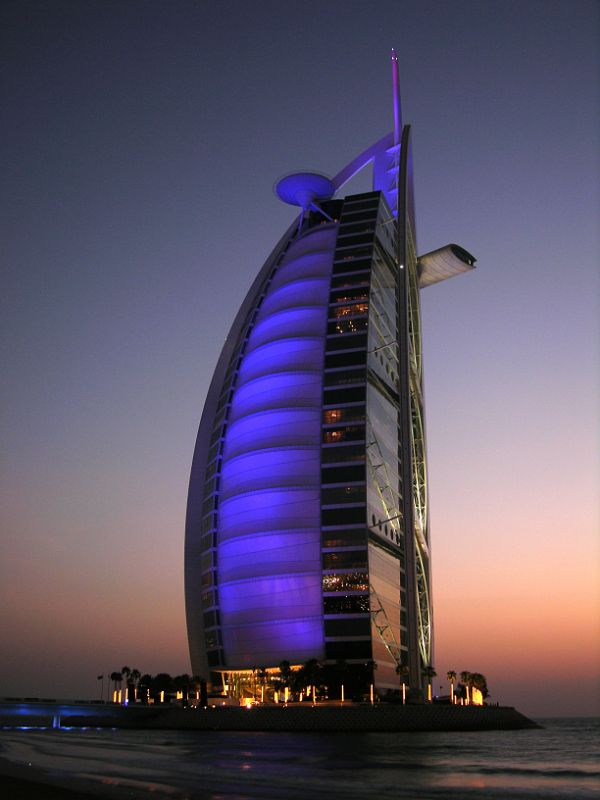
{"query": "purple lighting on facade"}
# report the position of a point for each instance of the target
(277, 466)
(271, 391)
(268, 531)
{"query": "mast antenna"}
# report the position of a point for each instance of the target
(397, 108)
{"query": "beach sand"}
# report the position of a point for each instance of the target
(18, 782)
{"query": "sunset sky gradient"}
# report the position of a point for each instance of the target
(141, 141)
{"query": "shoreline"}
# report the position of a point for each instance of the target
(293, 717)
(20, 782)
(30, 783)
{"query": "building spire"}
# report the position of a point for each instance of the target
(397, 106)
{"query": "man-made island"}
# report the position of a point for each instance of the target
(292, 717)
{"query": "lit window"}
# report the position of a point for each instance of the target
(350, 310)
(350, 325)
(353, 581)
(333, 415)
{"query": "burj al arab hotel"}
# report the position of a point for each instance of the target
(307, 530)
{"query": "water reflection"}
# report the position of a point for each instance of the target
(286, 766)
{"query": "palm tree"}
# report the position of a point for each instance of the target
(262, 677)
(195, 684)
(451, 676)
(163, 684)
(199, 686)
(126, 672)
(135, 682)
(402, 671)
(342, 669)
(145, 685)
(429, 673)
(479, 683)
(285, 673)
(116, 678)
(182, 684)
(312, 673)
(465, 679)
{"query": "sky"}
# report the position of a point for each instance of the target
(140, 144)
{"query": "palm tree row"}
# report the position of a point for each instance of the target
(158, 688)
(334, 680)
(337, 679)
(469, 681)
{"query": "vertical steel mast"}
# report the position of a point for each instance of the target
(413, 489)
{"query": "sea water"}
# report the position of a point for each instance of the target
(561, 761)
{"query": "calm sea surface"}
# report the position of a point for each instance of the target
(560, 761)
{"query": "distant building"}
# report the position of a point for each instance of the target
(307, 532)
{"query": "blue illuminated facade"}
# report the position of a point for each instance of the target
(307, 533)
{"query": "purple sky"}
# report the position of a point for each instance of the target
(140, 143)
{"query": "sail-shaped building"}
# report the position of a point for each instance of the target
(307, 530)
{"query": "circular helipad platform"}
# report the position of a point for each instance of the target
(304, 188)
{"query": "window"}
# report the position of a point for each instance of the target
(352, 537)
(211, 619)
(351, 281)
(348, 650)
(207, 505)
(351, 359)
(348, 325)
(347, 559)
(343, 494)
(354, 251)
(346, 342)
(354, 239)
(215, 658)
(349, 604)
(334, 396)
(208, 523)
(346, 581)
(351, 433)
(348, 627)
(342, 474)
(362, 200)
(332, 416)
(206, 561)
(345, 266)
(344, 376)
(343, 516)
(215, 436)
(208, 599)
(354, 309)
(357, 227)
(341, 454)
(223, 401)
(214, 451)
(212, 639)
(212, 468)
